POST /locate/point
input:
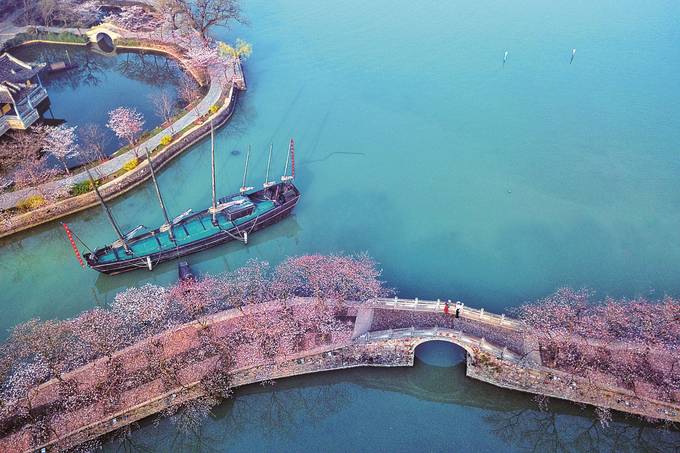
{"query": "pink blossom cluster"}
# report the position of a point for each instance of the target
(635, 343)
(134, 18)
(126, 123)
(329, 276)
(39, 351)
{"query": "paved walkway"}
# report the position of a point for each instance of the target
(9, 30)
(218, 84)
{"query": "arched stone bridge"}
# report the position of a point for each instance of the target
(521, 369)
(364, 323)
(102, 31)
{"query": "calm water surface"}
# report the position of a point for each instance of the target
(101, 83)
(466, 178)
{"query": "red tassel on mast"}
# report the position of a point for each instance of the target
(292, 158)
(73, 245)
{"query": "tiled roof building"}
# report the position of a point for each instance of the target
(20, 93)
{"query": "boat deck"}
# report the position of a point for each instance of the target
(193, 228)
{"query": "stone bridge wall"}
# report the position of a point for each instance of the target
(503, 368)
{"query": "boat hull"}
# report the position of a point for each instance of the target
(275, 215)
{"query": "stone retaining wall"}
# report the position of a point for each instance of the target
(381, 354)
(556, 384)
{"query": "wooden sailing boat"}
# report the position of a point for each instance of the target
(229, 218)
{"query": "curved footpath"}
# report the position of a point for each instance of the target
(220, 86)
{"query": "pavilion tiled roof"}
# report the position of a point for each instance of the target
(13, 75)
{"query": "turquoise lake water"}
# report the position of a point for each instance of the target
(465, 178)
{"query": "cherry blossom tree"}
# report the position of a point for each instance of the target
(204, 56)
(329, 277)
(145, 311)
(21, 146)
(188, 90)
(22, 156)
(134, 18)
(206, 14)
(94, 141)
(83, 13)
(61, 142)
(102, 332)
(126, 123)
(196, 298)
(169, 11)
(632, 343)
(163, 104)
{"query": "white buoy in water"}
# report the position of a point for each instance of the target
(505, 57)
(573, 54)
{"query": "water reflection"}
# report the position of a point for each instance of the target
(440, 354)
(149, 68)
(101, 82)
(553, 431)
(328, 411)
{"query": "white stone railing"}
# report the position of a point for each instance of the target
(439, 306)
(37, 96)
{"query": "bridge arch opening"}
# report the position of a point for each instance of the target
(105, 42)
(440, 353)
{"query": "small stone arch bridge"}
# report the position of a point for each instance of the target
(105, 32)
(413, 336)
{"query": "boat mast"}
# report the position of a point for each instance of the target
(167, 225)
(244, 188)
(268, 183)
(108, 213)
(213, 209)
(285, 176)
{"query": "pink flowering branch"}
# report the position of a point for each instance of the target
(126, 123)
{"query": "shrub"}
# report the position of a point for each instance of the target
(166, 140)
(131, 164)
(30, 203)
(34, 34)
(82, 187)
(129, 42)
